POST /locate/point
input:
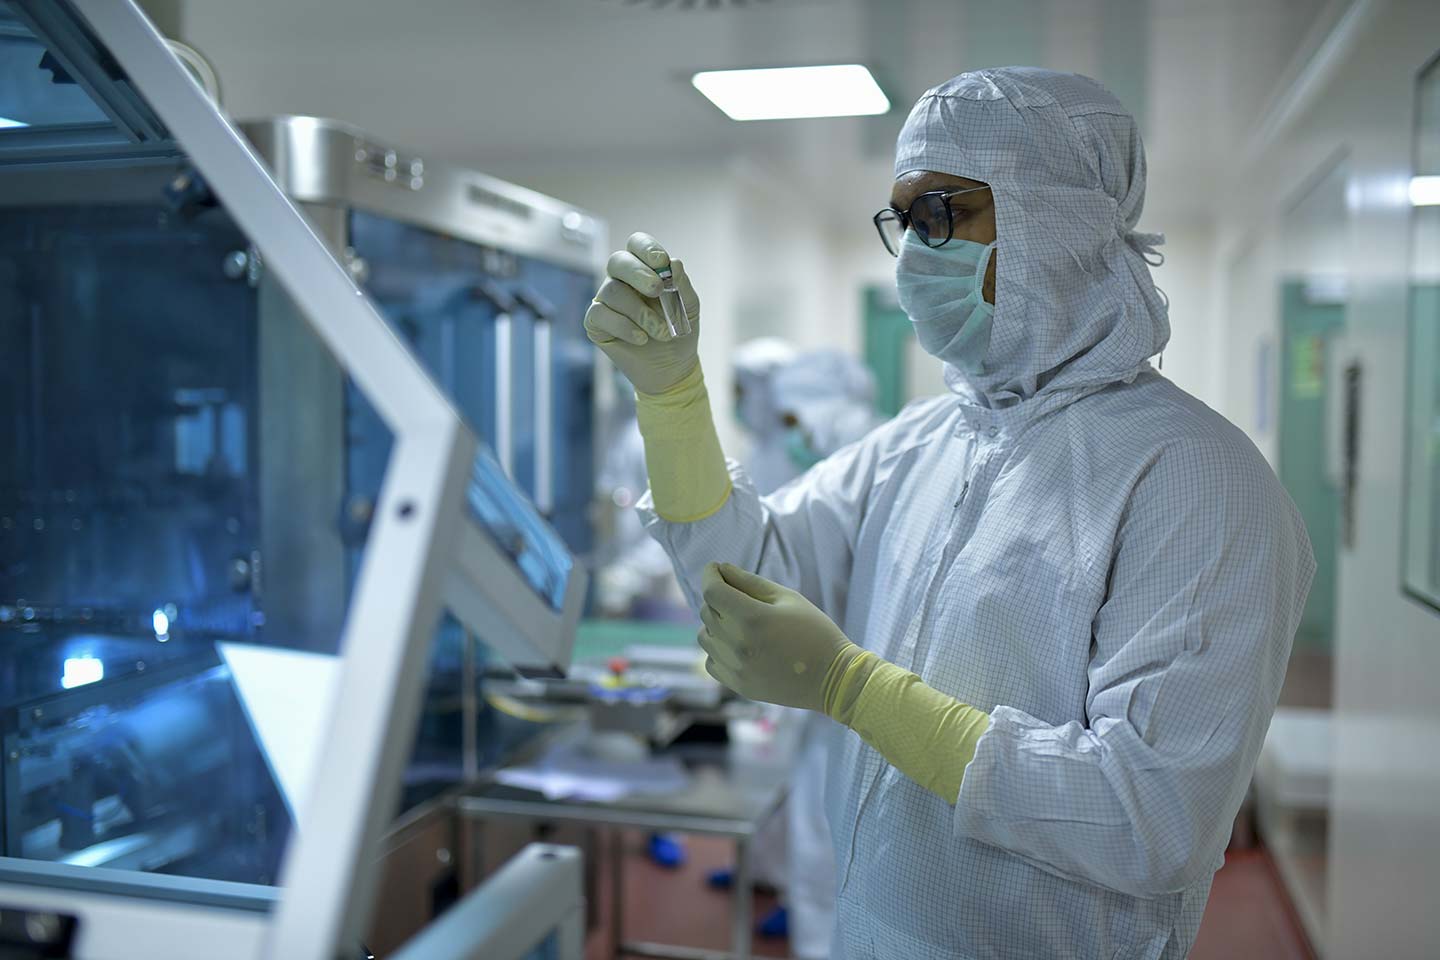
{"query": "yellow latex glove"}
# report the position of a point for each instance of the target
(767, 642)
(688, 477)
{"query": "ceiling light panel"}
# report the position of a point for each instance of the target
(785, 93)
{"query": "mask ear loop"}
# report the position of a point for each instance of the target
(980, 271)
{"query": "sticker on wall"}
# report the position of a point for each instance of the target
(1307, 367)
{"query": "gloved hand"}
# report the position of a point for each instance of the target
(767, 642)
(628, 323)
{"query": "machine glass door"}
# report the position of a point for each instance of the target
(162, 694)
(209, 658)
(140, 676)
(1421, 522)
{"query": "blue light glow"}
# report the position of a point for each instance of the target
(80, 671)
(160, 620)
(11, 123)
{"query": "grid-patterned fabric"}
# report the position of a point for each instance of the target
(1070, 543)
(1066, 166)
(1117, 580)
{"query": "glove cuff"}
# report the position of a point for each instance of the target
(845, 681)
(925, 734)
(688, 477)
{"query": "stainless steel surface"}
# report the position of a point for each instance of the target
(504, 397)
(740, 904)
(483, 807)
(617, 820)
(733, 791)
(324, 161)
(616, 857)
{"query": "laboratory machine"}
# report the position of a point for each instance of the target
(487, 283)
(235, 506)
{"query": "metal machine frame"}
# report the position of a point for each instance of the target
(538, 893)
(321, 161)
(328, 167)
(423, 550)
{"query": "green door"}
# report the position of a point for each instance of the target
(887, 342)
(1311, 322)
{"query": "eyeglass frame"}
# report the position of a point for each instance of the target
(905, 217)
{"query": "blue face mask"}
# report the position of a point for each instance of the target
(940, 290)
(797, 445)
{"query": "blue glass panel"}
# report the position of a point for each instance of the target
(440, 295)
(35, 90)
(129, 527)
(520, 533)
(433, 289)
(568, 292)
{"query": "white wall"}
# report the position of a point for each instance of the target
(1247, 337)
(1185, 278)
(1384, 864)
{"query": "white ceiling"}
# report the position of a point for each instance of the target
(505, 85)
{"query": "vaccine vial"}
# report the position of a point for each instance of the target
(675, 317)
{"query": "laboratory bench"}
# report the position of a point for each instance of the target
(733, 788)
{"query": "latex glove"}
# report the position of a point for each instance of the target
(767, 642)
(628, 323)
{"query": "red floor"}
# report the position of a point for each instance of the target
(1249, 914)
(675, 906)
(1248, 917)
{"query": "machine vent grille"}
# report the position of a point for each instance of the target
(488, 198)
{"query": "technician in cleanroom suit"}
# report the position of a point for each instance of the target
(755, 365)
(1053, 608)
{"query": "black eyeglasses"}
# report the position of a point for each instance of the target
(929, 216)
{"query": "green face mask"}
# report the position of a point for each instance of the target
(797, 445)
